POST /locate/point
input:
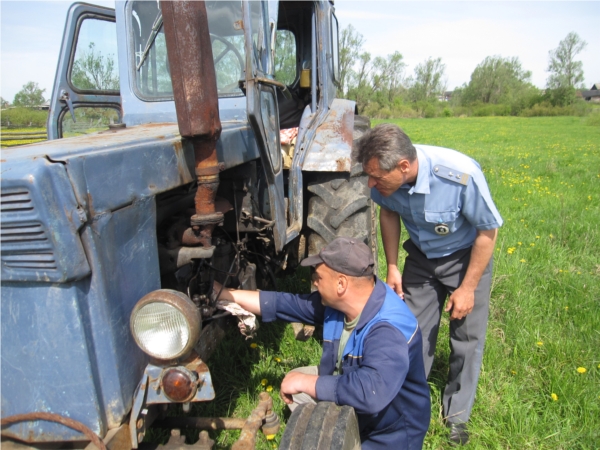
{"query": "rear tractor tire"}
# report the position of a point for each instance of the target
(341, 205)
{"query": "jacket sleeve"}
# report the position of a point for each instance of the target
(378, 378)
(305, 308)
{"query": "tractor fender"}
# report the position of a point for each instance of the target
(331, 148)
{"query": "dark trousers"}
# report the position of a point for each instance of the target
(426, 284)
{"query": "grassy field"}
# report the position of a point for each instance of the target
(540, 382)
(6, 141)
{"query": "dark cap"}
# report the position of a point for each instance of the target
(344, 255)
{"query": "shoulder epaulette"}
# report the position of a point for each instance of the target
(450, 174)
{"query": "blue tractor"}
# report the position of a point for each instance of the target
(188, 142)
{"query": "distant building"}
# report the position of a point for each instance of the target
(593, 95)
(445, 96)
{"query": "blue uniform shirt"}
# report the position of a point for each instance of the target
(449, 202)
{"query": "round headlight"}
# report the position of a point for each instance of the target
(165, 324)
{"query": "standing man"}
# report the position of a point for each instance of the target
(445, 204)
(372, 350)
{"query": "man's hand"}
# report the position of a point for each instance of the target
(394, 280)
(297, 383)
(460, 303)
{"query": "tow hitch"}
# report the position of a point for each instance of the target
(262, 417)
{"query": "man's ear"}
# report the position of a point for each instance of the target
(342, 284)
(404, 165)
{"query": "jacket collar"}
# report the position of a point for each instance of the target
(422, 184)
(373, 305)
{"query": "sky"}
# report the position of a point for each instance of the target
(462, 33)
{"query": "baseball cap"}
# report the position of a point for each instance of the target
(344, 255)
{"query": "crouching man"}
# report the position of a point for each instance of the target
(372, 349)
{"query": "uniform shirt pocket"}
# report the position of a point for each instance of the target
(441, 222)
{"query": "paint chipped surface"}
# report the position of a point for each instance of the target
(331, 148)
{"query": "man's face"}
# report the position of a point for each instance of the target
(326, 280)
(385, 182)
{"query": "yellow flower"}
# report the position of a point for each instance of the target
(270, 437)
(269, 388)
(581, 370)
(566, 308)
(532, 244)
(513, 372)
(520, 243)
(537, 237)
(522, 260)
(539, 343)
(554, 396)
(264, 381)
(511, 250)
(253, 345)
(277, 359)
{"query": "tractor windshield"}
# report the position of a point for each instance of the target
(151, 66)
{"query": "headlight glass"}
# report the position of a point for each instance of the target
(161, 330)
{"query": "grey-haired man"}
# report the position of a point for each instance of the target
(372, 351)
(444, 202)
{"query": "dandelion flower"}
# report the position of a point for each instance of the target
(554, 396)
(537, 237)
(539, 343)
(269, 388)
(581, 370)
(566, 308)
(264, 381)
(513, 372)
(511, 250)
(270, 437)
(522, 260)
(253, 345)
(277, 359)
(520, 243)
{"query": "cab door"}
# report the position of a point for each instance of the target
(85, 97)
(260, 23)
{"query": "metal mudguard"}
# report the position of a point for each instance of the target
(331, 148)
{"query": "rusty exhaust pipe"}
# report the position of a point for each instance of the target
(197, 105)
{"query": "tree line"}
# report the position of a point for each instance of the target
(498, 85)
(380, 85)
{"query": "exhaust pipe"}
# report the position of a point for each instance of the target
(194, 81)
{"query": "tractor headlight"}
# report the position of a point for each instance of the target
(165, 324)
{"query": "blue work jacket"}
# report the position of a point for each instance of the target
(383, 377)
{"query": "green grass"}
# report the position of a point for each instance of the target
(544, 175)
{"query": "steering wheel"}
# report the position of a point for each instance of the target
(229, 47)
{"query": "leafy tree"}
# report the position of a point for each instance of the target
(565, 72)
(429, 80)
(31, 95)
(93, 70)
(285, 57)
(4, 103)
(496, 80)
(351, 42)
(393, 68)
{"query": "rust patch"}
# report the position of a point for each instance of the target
(342, 164)
(51, 417)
